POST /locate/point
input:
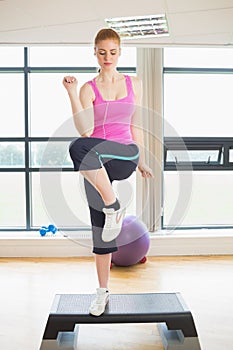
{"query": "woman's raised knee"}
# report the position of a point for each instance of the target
(77, 146)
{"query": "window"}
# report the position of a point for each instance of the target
(37, 178)
(12, 155)
(208, 203)
(12, 108)
(12, 200)
(199, 104)
(11, 57)
(198, 58)
(198, 139)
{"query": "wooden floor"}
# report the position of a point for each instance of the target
(28, 287)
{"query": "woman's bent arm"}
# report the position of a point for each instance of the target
(81, 105)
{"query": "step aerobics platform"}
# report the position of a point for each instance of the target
(176, 325)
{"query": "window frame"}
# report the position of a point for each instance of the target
(26, 70)
(222, 144)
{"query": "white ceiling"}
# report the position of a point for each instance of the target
(191, 22)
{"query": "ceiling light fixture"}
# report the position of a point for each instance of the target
(139, 26)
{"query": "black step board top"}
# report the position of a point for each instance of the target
(123, 304)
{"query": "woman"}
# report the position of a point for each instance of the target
(109, 150)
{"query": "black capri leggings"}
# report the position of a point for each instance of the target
(119, 160)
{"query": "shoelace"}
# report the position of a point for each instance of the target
(108, 219)
(100, 298)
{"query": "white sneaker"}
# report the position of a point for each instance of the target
(98, 304)
(113, 223)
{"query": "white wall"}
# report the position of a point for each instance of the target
(192, 242)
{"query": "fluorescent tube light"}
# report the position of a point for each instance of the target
(139, 26)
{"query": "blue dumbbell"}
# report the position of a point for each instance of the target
(44, 229)
(52, 229)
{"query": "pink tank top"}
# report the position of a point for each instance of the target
(112, 119)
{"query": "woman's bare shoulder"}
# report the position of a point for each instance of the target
(137, 85)
(136, 79)
(87, 91)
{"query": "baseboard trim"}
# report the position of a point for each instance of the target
(161, 244)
